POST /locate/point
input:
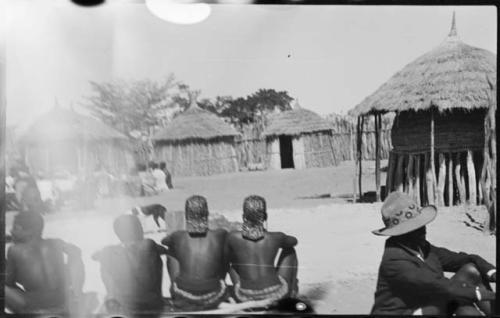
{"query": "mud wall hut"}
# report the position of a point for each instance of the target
(300, 138)
(197, 143)
(441, 101)
(63, 140)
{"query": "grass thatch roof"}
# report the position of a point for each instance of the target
(453, 75)
(61, 124)
(295, 122)
(195, 123)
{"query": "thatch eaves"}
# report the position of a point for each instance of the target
(61, 124)
(452, 75)
(295, 122)
(195, 123)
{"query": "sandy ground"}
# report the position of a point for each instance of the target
(338, 255)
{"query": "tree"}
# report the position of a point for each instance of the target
(135, 108)
(253, 108)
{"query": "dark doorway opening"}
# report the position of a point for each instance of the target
(286, 152)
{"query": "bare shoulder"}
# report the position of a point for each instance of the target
(220, 232)
(234, 235)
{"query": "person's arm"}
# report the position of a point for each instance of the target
(168, 242)
(406, 275)
(10, 269)
(288, 241)
(162, 250)
(75, 266)
(225, 254)
(452, 262)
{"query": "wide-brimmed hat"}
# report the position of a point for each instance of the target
(402, 215)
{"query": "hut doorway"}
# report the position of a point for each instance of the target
(286, 152)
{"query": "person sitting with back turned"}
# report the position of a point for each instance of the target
(252, 253)
(37, 278)
(160, 177)
(168, 175)
(198, 265)
(411, 280)
(132, 271)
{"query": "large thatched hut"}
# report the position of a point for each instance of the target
(299, 138)
(63, 140)
(197, 143)
(441, 101)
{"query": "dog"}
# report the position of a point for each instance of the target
(146, 212)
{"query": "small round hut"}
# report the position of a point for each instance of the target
(441, 101)
(299, 138)
(63, 140)
(197, 143)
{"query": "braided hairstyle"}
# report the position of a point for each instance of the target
(196, 212)
(254, 216)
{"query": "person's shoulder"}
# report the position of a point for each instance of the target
(394, 252)
(219, 231)
(234, 233)
(276, 235)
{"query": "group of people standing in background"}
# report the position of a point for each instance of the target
(155, 178)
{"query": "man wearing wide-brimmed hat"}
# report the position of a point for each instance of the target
(411, 279)
(197, 266)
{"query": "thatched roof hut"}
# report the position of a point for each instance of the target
(440, 100)
(197, 142)
(299, 138)
(62, 139)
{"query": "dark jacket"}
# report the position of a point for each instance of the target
(406, 283)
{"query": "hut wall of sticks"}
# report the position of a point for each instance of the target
(444, 127)
(344, 131)
(300, 138)
(251, 147)
(197, 143)
(63, 140)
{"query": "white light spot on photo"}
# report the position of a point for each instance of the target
(180, 12)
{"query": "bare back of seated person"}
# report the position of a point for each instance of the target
(38, 266)
(200, 256)
(132, 271)
(198, 264)
(252, 253)
(253, 260)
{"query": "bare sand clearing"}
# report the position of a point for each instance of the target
(338, 255)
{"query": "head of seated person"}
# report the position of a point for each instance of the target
(196, 213)
(254, 217)
(27, 226)
(128, 228)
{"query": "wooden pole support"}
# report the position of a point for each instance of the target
(471, 173)
(416, 188)
(459, 179)
(450, 179)
(399, 174)
(441, 180)
(377, 156)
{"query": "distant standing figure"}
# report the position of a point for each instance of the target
(132, 271)
(252, 253)
(159, 175)
(198, 265)
(148, 181)
(27, 193)
(411, 280)
(38, 265)
(168, 176)
(103, 179)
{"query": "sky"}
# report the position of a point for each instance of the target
(328, 57)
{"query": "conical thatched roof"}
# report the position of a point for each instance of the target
(295, 122)
(195, 123)
(453, 75)
(65, 124)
